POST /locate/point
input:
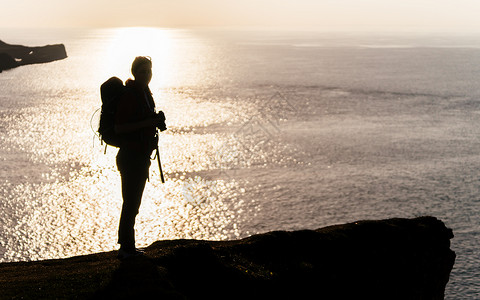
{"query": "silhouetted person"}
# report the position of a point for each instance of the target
(136, 121)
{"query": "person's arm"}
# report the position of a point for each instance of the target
(133, 126)
(123, 116)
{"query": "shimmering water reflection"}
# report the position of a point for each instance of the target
(263, 135)
(80, 215)
(62, 192)
(194, 208)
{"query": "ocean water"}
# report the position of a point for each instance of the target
(267, 131)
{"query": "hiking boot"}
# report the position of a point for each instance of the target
(124, 254)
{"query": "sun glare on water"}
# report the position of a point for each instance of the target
(73, 204)
(184, 207)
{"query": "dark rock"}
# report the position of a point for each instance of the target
(7, 62)
(387, 259)
(12, 56)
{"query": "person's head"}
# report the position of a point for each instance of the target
(142, 70)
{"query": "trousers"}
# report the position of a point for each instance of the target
(133, 167)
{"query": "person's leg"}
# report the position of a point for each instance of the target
(132, 190)
(134, 174)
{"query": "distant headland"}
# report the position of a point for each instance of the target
(12, 56)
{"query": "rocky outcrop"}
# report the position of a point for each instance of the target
(387, 259)
(12, 56)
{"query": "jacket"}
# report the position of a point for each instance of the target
(136, 105)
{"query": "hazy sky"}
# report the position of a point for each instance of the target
(459, 15)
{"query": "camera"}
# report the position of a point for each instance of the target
(161, 124)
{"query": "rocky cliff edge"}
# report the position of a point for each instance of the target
(383, 259)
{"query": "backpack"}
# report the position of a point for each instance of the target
(110, 92)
